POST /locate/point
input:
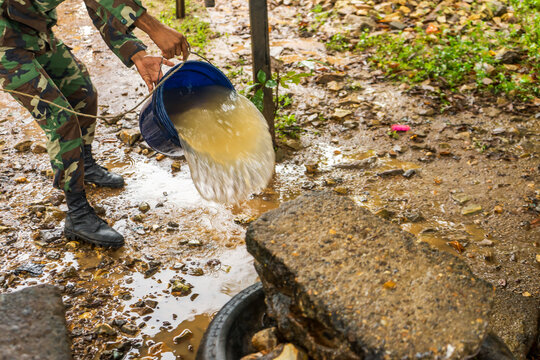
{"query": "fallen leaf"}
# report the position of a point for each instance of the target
(457, 246)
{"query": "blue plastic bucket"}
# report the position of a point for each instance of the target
(156, 126)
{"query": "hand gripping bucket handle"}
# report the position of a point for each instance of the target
(156, 127)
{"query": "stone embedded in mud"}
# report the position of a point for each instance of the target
(23, 146)
(144, 207)
(392, 172)
(324, 261)
(265, 340)
(129, 329)
(39, 148)
(176, 166)
(461, 198)
(180, 287)
(515, 320)
(104, 329)
(471, 209)
(129, 136)
(286, 352)
(32, 325)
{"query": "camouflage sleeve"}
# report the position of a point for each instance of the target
(120, 14)
(123, 44)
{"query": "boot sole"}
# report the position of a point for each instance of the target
(74, 237)
(114, 186)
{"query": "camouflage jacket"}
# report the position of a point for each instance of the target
(27, 24)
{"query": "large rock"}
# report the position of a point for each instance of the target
(345, 284)
(32, 325)
(515, 319)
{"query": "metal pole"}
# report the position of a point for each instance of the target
(260, 52)
(180, 9)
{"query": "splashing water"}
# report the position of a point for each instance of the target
(226, 142)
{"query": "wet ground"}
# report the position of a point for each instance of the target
(483, 160)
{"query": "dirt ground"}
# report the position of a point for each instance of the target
(481, 205)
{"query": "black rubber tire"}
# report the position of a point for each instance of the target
(228, 335)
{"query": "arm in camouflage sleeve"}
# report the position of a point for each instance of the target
(119, 14)
(123, 44)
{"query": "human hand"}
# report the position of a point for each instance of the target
(170, 42)
(149, 67)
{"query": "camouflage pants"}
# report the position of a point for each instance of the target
(55, 75)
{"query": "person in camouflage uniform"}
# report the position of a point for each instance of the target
(35, 62)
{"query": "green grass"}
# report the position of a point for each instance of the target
(339, 42)
(452, 58)
(287, 126)
(196, 30)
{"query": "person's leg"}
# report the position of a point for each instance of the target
(73, 80)
(20, 71)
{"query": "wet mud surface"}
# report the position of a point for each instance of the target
(439, 181)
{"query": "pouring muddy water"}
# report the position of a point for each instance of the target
(224, 137)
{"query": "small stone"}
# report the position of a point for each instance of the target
(176, 166)
(360, 23)
(195, 243)
(461, 198)
(265, 340)
(426, 112)
(287, 352)
(341, 113)
(471, 209)
(186, 334)
(160, 157)
(129, 329)
(21, 180)
(70, 272)
(104, 329)
(409, 173)
(385, 213)
(342, 190)
(311, 168)
(294, 144)
(335, 86)
(350, 124)
(129, 136)
(56, 199)
(498, 209)
(72, 245)
(138, 218)
(23, 146)
(173, 224)
(39, 148)
(144, 207)
(485, 242)
(397, 25)
(392, 172)
(179, 287)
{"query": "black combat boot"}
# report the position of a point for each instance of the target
(82, 223)
(98, 175)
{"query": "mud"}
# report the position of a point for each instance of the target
(181, 234)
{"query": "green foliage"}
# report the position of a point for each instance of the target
(338, 42)
(285, 125)
(196, 30)
(453, 58)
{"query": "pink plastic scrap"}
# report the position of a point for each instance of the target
(398, 127)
